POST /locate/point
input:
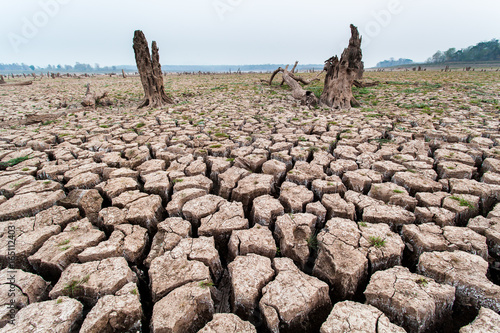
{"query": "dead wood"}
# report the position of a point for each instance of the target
(296, 78)
(123, 74)
(340, 75)
(361, 84)
(305, 97)
(24, 83)
(93, 100)
(292, 71)
(2, 81)
(150, 72)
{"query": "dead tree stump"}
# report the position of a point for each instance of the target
(150, 72)
(340, 75)
(123, 74)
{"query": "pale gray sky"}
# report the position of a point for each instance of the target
(236, 32)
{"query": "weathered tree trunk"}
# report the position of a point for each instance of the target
(340, 75)
(150, 72)
(123, 74)
(2, 81)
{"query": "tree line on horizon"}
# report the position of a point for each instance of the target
(78, 67)
(483, 51)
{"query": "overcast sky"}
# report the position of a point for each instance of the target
(236, 32)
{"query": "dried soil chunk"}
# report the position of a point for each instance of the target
(258, 240)
(351, 317)
(294, 300)
(229, 179)
(248, 274)
(487, 321)
(169, 272)
(340, 166)
(410, 300)
(85, 180)
(317, 209)
(116, 186)
(338, 207)
(361, 180)
(121, 312)
(146, 212)
(295, 233)
(61, 315)
(387, 169)
(304, 173)
(394, 216)
(430, 237)
(127, 198)
(439, 216)
(491, 165)
(199, 181)
(185, 310)
(227, 322)
(295, 197)
(25, 237)
(453, 156)
(490, 228)
(275, 168)
(60, 250)
(170, 232)
(466, 272)
(111, 217)
(90, 281)
(265, 209)
(331, 185)
(28, 204)
(455, 170)
(251, 187)
(157, 183)
(339, 261)
(200, 249)
(414, 182)
(28, 288)
(220, 225)
(201, 207)
(426, 199)
(88, 201)
(180, 198)
(383, 248)
(464, 206)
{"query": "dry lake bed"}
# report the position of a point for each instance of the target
(238, 210)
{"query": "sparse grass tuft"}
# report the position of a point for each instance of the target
(377, 241)
(462, 202)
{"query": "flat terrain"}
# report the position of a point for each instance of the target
(238, 200)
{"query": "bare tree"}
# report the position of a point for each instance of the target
(341, 75)
(150, 72)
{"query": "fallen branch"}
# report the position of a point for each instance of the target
(296, 78)
(305, 97)
(361, 84)
(25, 83)
(292, 71)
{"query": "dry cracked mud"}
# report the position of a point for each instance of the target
(236, 209)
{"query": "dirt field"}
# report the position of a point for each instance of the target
(237, 200)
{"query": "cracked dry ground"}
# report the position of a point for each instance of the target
(237, 210)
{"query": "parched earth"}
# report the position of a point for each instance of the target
(237, 210)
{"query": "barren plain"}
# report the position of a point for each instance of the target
(238, 210)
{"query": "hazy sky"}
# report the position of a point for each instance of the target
(204, 32)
